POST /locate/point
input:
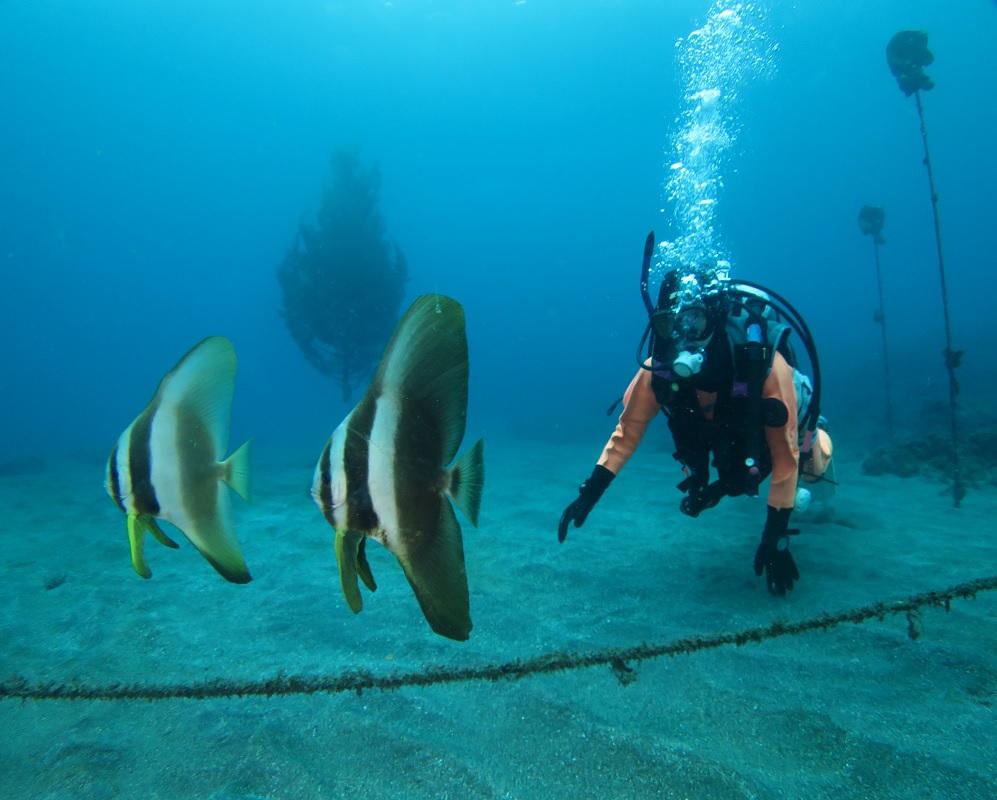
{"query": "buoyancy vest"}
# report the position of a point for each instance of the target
(753, 340)
(774, 338)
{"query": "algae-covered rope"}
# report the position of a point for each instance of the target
(358, 681)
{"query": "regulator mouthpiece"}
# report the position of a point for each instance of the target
(687, 364)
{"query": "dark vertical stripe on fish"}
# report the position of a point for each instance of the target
(325, 484)
(196, 465)
(361, 515)
(140, 464)
(115, 481)
(419, 473)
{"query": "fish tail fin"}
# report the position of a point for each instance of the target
(238, 471)
(352, 563)
(467, 480)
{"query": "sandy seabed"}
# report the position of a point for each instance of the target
(860, 711)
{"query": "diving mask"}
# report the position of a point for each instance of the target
(687, 324)
(689, 329)
(691, 303)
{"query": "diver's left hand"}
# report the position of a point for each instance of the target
(773, 557)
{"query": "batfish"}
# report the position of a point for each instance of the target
(383, 474)
(168, 462)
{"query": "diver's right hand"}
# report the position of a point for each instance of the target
(588, 495)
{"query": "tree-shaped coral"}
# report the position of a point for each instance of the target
(343, 279)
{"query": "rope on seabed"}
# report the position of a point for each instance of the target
(358, 681)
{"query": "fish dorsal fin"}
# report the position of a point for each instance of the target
(202, 384)
(425, 364)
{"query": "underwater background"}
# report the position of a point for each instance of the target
(156, 162)
(158, 157)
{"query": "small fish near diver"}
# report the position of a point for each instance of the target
(383, 473)
(169, 463)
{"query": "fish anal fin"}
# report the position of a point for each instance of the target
(213, 534)
(227, 563)
(435, 570)
(231, 567)
(467, 480)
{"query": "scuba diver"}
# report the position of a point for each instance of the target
(720, 366)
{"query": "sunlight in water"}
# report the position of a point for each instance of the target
(731, 49)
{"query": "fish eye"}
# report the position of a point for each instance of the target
(326, 476)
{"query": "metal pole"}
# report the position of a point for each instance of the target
(881, 319)
(952, 357)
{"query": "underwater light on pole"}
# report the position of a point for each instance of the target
(907, 54)
(871, 219)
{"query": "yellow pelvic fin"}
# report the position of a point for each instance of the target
(353, 562)
(136, 537)
(138, 524)
(153, 527)
(363, 568)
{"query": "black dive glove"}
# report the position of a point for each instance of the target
(773, 556)
(588, 495)
(700, 495)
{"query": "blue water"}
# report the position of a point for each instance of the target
(157, 158)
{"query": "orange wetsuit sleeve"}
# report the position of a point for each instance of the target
(783, 442)
(639, 407)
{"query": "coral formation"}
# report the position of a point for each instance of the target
(930, 455)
